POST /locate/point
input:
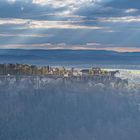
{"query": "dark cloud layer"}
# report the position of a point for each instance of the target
(106, 22)
(124, 4)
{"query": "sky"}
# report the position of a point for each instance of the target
(70, 24)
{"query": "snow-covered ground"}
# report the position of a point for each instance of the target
(133, 76)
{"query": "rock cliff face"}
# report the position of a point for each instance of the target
(33, 108)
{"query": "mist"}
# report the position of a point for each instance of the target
(55, 109)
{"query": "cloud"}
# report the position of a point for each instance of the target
(11, 1)
(63, 3)
(23, 35)
(25, 9)
(126, 19)
(60, 46)
(71, 22)
(38, 24)
(124, 4)
(131, 10)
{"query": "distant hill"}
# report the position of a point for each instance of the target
(72, 57)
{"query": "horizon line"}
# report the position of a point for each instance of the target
(117, 49)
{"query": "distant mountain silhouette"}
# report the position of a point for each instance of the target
(68, 57)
